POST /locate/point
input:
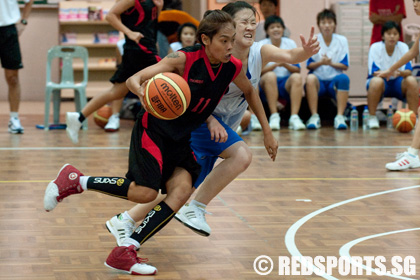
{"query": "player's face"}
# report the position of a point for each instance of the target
(391, 37)
(326, 26)
(275, 31)
(219, 49)
(267, 8)
(246, 25)
(187, 36)
(416, 5)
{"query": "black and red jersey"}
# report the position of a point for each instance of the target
(207, 87)
(142, 18)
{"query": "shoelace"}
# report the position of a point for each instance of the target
(401, 155)
(132, 252)
(201, 211)
(69, 191)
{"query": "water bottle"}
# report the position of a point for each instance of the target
(365, 118)
(354, 119)
(389, 115)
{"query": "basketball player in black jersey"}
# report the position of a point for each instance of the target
(137, 19)
(160, 155)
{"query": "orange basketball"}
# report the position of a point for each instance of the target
(167, 96)
(102, 115)
(404, 120)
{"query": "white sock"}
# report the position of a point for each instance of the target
(83, 182)
(127, 216)
(14, 115)
(130, 241)
(198, 204)
(414, 152)
(116, 115)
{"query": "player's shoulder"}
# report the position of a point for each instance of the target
(403, 46)
(340, 38)
(377, 46)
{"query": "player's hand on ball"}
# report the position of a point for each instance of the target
(141, 94)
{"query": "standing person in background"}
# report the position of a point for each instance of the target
(381, 11)
(281, 80)
(138, 21)
(186, 37)
(326, 77)
(410, 158)
(12, 24)
(268, 8)
(401, 85)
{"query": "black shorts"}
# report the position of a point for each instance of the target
(10, 55)
(153, 158)
(132, 62)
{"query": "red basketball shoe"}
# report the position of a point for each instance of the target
(66, 183)
(125, 260)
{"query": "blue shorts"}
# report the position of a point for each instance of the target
(281, 85)
(207, 151)
(329, 88)
(392, 88)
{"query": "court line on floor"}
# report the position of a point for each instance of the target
(345, 250)
(251, 147)
(289, 238)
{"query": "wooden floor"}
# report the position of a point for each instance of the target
(326, 189)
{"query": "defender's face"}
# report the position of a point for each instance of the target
(246, 25)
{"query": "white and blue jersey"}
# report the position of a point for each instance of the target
(229, 113)
(175, 46)
(286, 44)
(233, 104)
(337, 51)
(380, 60)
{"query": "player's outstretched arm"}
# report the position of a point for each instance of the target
(270, 53)
(254, 101)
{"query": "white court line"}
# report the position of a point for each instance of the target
(251, 147)
(291, 232)
(345, 250)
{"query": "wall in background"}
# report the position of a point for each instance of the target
(42, 33)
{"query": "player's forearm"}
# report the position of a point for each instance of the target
(115, 21)
(27, 10)
(339, 66)
(314, 65)
(407, 57)
(298, 55)
(383, 19)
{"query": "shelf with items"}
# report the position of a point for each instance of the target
(83, 23)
